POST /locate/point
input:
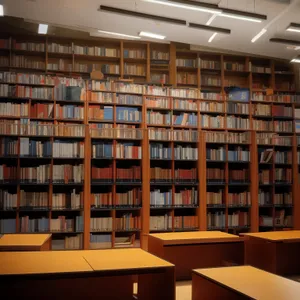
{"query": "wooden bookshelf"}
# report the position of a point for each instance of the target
(199, 117)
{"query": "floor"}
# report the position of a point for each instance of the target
(183, 290)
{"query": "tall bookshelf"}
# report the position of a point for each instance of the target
(103, 163)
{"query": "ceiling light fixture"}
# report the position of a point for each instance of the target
(211, 19)
(210, 28)
(242, 15)
(285, 42)
(296, 60)
(136, 14)
(294, 27)
(152, 35)
(119, 34)
(188, 4)
(43, 29)
(1, 10)
(262, 32)
(212, 37)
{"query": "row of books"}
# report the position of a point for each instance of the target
(61, 224)
(212, 107)
(14, 109)
(68, 243)
(20, 61)
(72, 200)
(240, 154)
(28, 46)
(159, 151)
(21, 91)
(185, 62)
(210, 64)
(259, 69)
(134, 53)
(129, 198)
(234, 199)
(160, 222)
(239, 219)
(159, 78)
(283, 98)
(234, 66)
(131, 69)
(211, 80)
(186, 78)
(34, 148)
(160, 55)
(237, 108)
(94, 51)
(216, 154)
(8, 200)
(186, 222)
(158, 198)
(228, 137)
(69, 112)
(237, 123)
(68, 174)
(186, 197)
(128, 222)
(239, 175)
(68, 149)
(39, 174)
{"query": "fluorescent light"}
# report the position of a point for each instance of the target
(1, 10)
(43, 28)
(152, 35)
(262, 32)
(119, 34)
(212, 37)
(238, 17)
(211, 19)
(293, 30)
(296, 60)
(192, 5)
(294, 27)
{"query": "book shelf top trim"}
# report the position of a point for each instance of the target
(242, 279)
(23, 240)
(277, 236)
(198, 237)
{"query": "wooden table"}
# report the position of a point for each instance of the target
(25, 242)
(242, 282)
(199, 249)
(276, 251)
(102, 274)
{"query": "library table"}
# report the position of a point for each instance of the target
(91, 274)
(242, 282)
(276, 251)
(25, 242)
(198, 249)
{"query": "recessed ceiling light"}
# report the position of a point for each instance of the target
(294, 27)
(262, 32)
(296, 60)
(43, 29)
(119, 34)
(1, 10)
(188, 4)
(152, 35)
(212, 37)
(242, 15)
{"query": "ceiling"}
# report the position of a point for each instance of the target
(85, 16)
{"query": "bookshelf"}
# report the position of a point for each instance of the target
(103, 163)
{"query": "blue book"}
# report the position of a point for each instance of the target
(178, 119)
